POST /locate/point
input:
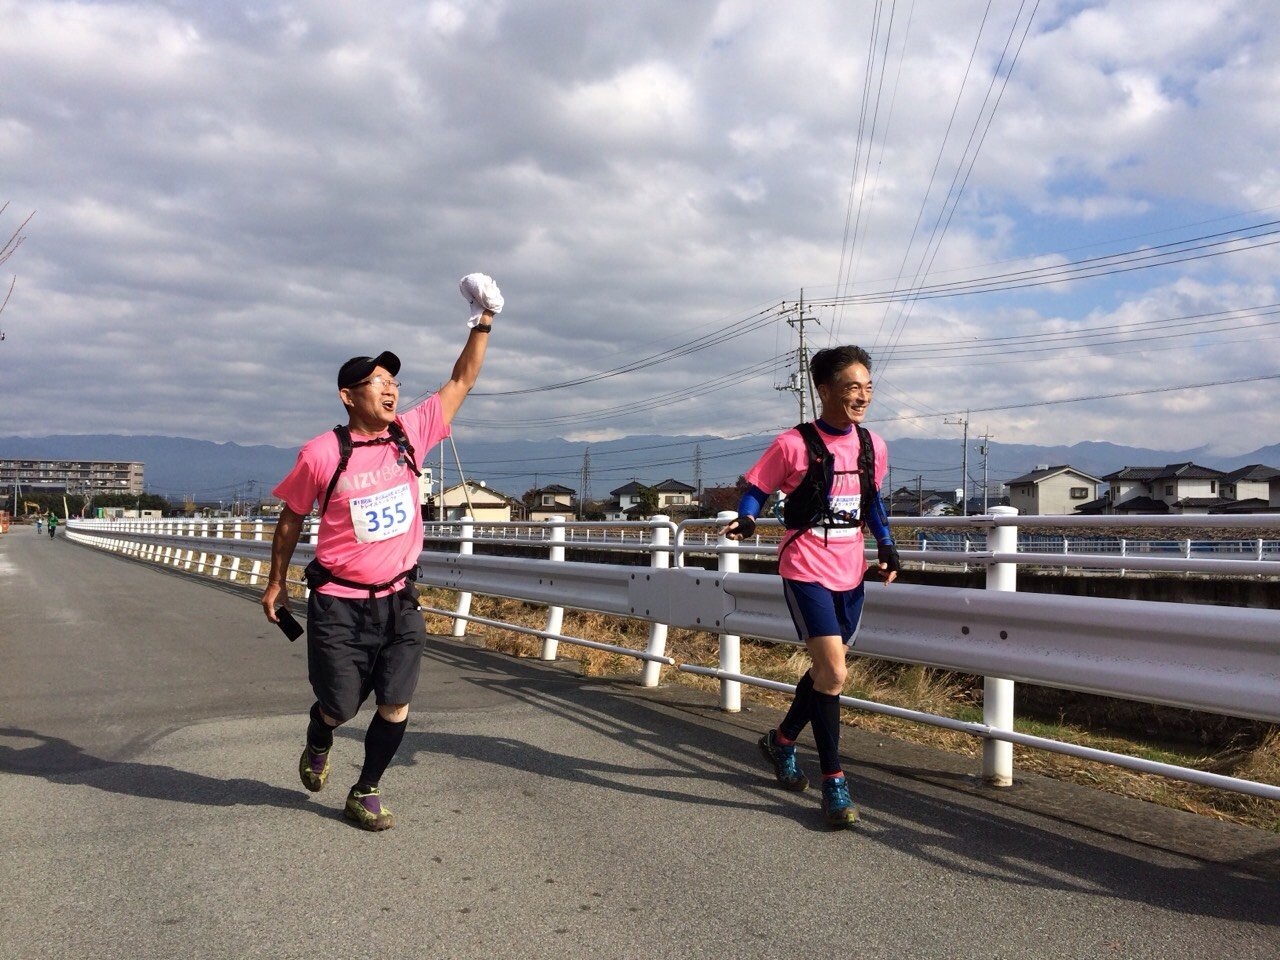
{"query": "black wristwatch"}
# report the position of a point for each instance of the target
(482, 327)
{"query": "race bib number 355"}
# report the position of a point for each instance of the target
(381, 516)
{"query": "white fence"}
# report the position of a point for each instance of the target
(1216, 658)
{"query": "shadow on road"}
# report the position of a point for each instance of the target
(952, 830)
(60, 761)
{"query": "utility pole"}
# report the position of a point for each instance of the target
(984, 450)
(697, 471)
(964, 465)
(919, 495)
(801, 380)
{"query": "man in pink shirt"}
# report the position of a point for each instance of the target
(831, 472)
(365, 633)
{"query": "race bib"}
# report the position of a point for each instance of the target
(847, 507)
(847, 503)
(381, 516)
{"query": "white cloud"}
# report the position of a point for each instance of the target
(233, 201)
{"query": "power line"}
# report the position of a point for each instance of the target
(731, 379)
(1099, 396)
(954, 194)
(735, 330)
(1178, 251)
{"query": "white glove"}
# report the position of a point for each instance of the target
(482, 293)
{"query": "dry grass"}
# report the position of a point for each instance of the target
(910, 686)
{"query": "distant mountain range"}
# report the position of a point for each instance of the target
(177, 467)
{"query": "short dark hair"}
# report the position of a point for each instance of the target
(825, 364)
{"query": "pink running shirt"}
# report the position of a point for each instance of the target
(374, 490)
(836, 560)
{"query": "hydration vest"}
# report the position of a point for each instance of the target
(346, 445)
(809, 504)
(316, 573)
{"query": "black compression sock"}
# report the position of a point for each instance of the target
(319, 733)
(380, 745)
(826, 730)
(797, 717)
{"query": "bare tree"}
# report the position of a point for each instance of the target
(9, 248)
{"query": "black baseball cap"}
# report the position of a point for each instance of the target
(358, 368)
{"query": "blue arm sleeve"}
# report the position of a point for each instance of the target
(752, 500)
(878, 521)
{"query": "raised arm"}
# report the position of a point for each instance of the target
(466, 370)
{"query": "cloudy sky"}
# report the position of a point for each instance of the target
(1011, 205)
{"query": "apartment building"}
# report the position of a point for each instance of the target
(72, 476)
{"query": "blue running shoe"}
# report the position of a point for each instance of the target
(783, 760)
(837, 805)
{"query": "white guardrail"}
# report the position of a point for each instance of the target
(1219, 659)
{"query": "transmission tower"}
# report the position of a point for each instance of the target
(584, 483)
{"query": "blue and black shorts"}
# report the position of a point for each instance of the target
(818, 611)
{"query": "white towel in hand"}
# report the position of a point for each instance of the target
(482, 293)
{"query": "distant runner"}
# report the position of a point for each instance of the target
(53, 524)
(831, 471)
(365, 633)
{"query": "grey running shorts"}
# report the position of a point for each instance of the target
(358, 647)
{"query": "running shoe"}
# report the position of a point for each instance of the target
(313, 768)
(837, 805)
(364, 806)
(784, 763)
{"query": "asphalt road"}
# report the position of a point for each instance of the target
(150, 726)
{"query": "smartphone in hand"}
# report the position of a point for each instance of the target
(291, 627)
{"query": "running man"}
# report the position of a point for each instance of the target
(831, 471)
(365, 633)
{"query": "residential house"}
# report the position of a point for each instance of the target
(1129, 490)
(1051, 490)
(552, 501)
(918, 502)
(672, 496)
(1250, 490)
(485, 504)
(715, 500)
(1174, 488)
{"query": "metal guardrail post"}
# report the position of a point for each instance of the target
(313, 537)
(219, 533)
(997, 694)
(730, 644)
(204, 554)
(255, 571)
(466, 547)
(555, 615)
(659, 536)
